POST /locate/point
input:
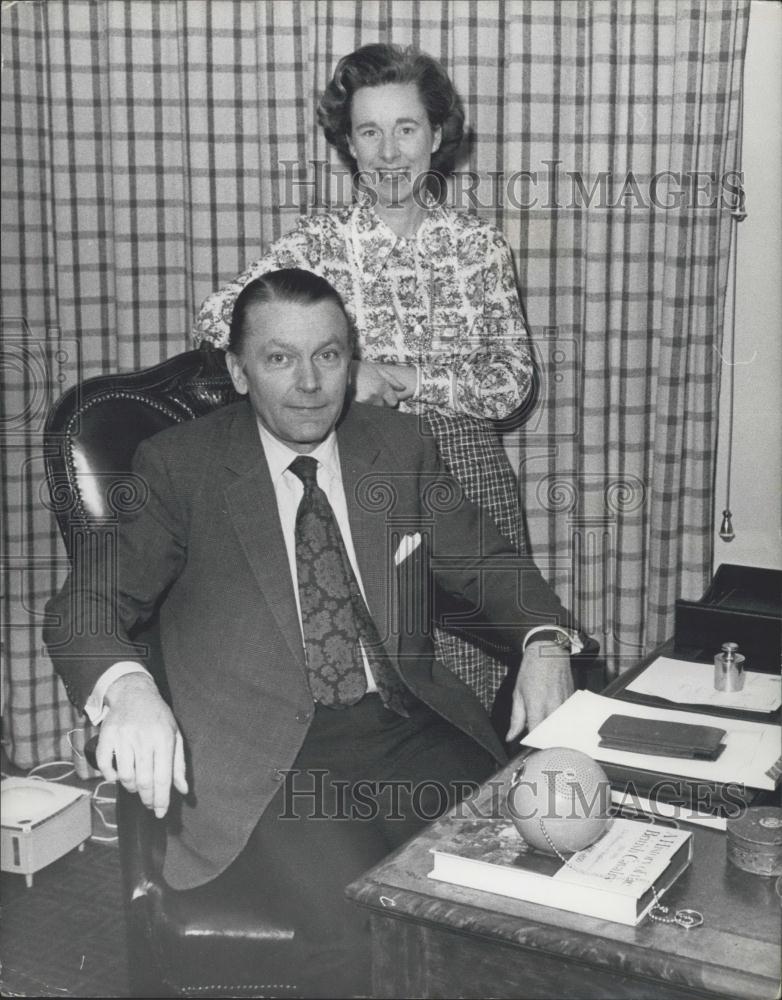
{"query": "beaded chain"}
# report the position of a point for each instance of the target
(659, 913)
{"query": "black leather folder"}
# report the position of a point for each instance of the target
(661, 738)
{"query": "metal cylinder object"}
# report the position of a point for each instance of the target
(755, 841)
(729, 668)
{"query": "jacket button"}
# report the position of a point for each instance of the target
(303, 716)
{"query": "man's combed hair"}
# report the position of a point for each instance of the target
(374, 65)
(289, 284)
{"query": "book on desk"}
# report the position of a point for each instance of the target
(615, 878)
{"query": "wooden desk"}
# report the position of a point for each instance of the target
(432, 939)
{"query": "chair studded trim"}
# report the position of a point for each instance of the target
(224, 989)
(71, 489)
(93, 430)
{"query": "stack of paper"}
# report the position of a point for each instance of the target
(688, 683)
(751, 756)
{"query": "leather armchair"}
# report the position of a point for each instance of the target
(219, 939)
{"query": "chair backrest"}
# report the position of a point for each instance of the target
(90, 437)
(92, 433)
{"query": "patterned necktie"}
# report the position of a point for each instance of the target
(334, 614)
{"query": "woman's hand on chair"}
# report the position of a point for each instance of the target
(382, 385)
(140, 743)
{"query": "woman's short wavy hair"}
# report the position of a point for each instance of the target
(376, 64)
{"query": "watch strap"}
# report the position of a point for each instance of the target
(555, 633)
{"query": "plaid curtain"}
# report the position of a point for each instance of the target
(152, 149)
(629, 116)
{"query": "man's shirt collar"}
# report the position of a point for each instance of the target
(279, 456)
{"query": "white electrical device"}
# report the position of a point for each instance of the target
(40, 821)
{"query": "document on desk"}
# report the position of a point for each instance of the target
(751, 756)
(687, 683)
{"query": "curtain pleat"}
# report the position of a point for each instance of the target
(152, 149)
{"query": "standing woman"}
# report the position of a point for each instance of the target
(431, 291)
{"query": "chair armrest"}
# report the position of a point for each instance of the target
(142, 837)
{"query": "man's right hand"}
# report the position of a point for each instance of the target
(140, 744)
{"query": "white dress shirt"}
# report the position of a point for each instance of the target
(288, 490)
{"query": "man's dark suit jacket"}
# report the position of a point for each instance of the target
(208, 541)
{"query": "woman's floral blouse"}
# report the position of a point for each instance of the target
(444, 300)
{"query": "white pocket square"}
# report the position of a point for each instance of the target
(407, 546)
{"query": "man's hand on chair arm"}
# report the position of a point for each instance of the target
(140, 736)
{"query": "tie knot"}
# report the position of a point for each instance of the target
(306, 468)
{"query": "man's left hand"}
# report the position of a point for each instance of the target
(544, 681)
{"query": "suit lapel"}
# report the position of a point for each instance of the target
(252, 505)
(359, 450)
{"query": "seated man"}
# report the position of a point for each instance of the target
(285, 539)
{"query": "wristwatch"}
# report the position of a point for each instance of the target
(567, 638)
